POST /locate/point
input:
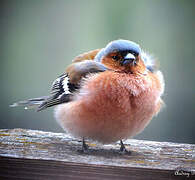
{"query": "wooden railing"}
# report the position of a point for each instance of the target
(31, 154)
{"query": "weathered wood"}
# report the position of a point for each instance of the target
(30, 154)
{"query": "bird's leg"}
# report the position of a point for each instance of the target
(123, 149)
(85, 147)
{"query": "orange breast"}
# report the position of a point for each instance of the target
(111, 106)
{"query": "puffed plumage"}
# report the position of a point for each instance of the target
(106, 94)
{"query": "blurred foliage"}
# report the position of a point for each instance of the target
(39, 38)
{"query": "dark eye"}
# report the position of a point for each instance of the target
(115, 57)
(134, 53)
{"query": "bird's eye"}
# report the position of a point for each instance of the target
(134, 53)
(115, 57)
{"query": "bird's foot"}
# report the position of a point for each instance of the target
(85, 147)
(123, 149)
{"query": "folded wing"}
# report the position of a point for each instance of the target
(64, 86)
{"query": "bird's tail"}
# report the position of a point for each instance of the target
(31, 103)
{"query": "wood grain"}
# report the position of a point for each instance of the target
(31, 154)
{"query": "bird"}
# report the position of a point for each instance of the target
(106, 95)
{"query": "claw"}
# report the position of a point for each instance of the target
(85, 147)
(123, 150)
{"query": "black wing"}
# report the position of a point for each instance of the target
(61, 92)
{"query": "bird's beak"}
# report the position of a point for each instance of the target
(129, 58)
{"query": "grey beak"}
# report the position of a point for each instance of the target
(129, 58)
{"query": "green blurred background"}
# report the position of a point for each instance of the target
(39, 38)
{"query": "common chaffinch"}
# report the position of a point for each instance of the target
(106, 95)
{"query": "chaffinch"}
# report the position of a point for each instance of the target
(106, 95)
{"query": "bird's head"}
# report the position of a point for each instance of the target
(122, 55)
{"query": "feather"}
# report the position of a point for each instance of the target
(62, 89)
(149, 61)
(61, 92)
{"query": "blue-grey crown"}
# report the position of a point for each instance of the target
(118, 45)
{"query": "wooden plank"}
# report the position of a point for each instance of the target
(44, 169)
(30, 154)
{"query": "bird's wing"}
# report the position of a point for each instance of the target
(90, 55)
(65, 85)
(61, 92)
(77, 71)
